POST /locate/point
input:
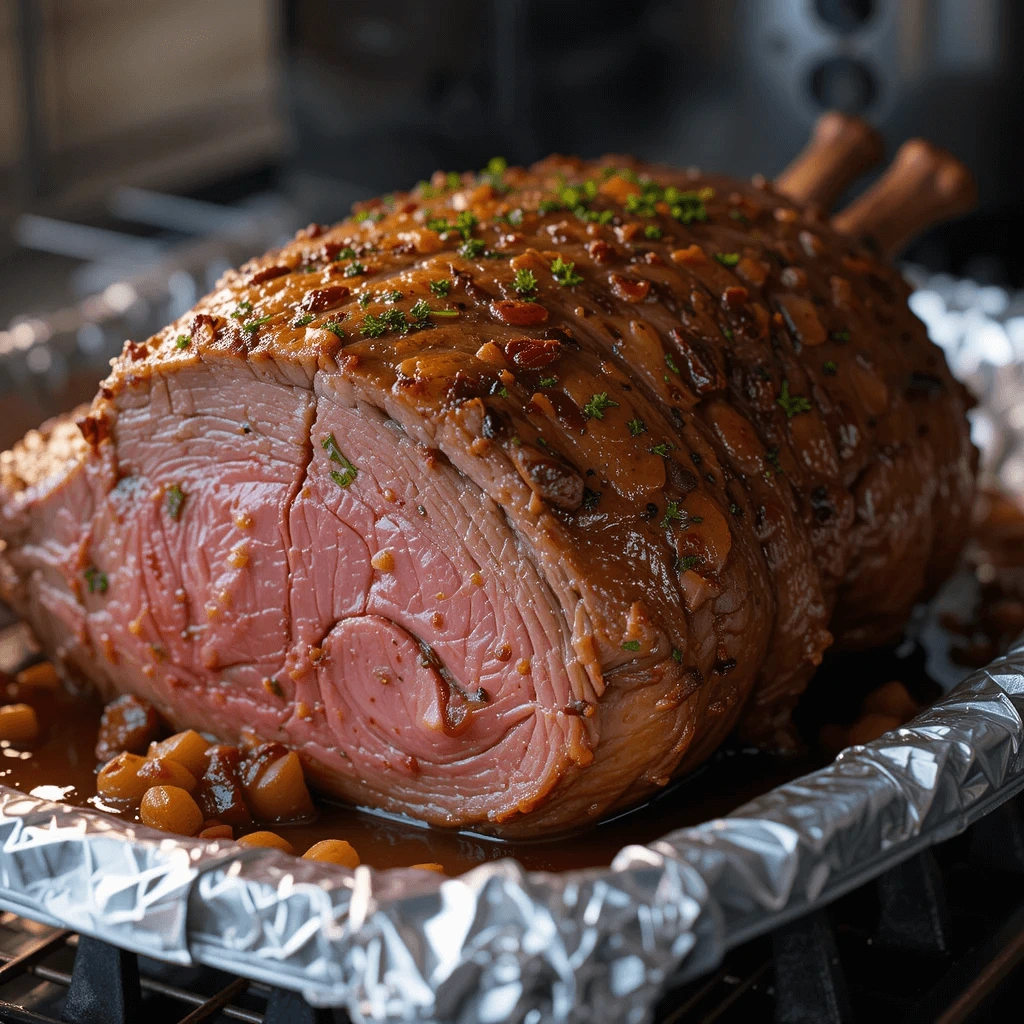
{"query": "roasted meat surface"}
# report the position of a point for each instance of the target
(505, 500)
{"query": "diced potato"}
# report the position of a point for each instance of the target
(278, 792)
(271, 839)
(162, 771)
(187, 748)
(217, 832)
(891, 699)
(870, 727)
(334, 851)
(119, 779)
(41, 674)
(18, 723)
(171, 809)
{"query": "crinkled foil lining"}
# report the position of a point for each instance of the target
(500, 943)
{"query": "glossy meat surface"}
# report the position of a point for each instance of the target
(507, 499)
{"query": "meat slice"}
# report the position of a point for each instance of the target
(502, 503)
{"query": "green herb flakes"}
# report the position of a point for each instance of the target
(687, 562)
(830, 368)
(673, 513)
(96, 580)
(354, 269)
(547, 382)
(661, 449)
(671, 363)
(472, 248)
(631, 645)
(303, 320)
(637, 427)
(652, 231)
(349, 473)
(441, 288)
(594, 409)
(335, 328)
(182, 341)
(727, 259)
(525, 284)
(792, 405)
(564, 273)
(175, 500)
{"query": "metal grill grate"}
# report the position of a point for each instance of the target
(937, 939)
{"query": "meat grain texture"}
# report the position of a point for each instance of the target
(504, 501)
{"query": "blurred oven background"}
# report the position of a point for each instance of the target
(146, 147)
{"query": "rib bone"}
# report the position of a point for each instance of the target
(841, 149)
(923, 186)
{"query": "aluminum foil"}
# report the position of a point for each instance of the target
(503, 944)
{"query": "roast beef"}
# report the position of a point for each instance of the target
(503, 501)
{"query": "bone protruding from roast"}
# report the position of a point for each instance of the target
(841, 149)
(923, 186)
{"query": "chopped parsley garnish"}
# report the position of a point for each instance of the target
(673, 514)
(472, 248)
(348, 253)
(96, 580)
(631, 645)
(740, 216)
(365, 299)
(453, 179)
(727, 259)
(420, 312)
(547, 382)
(354, 269)
(652, 231)
(182, 341)
(677, 655)
(335, 328)
(637, 427)
(254, 325)
(441, 288)
(839, 335)
(444, 312)
(242, 310)
(395, 296)
(394, 319)
(671, 363)
(687, 562)
(661, 449)
(373, 326)
(792, 405)
(496, 166)
(594, 409)
(772, 458)
(590, 499)
(564, 273)
(344, 478)
(499, 389)
(525, 284)
(830, 368)
(735, 509)
(374, 218)
(548, 206)
(303, 320)
(727, 333)
(175, 500)
(513, 218)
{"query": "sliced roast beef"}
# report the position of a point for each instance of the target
(505, 500)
